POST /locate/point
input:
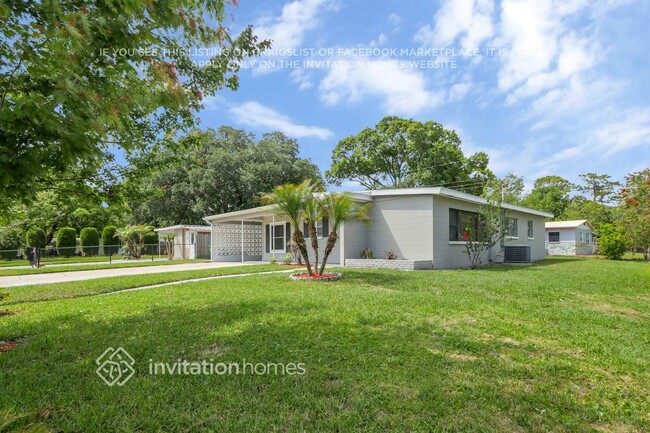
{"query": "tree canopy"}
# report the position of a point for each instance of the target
(550, 194)
(225, 170)
(79, 78)
(405, 153)
(600, 187)
(636, 210)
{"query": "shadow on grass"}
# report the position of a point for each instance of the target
(361, 375)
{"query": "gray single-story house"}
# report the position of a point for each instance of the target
(570, 238)
(426, 225)
(190, 241)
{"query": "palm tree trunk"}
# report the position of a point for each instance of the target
(299, 239)
(314, 244)
(331, 241)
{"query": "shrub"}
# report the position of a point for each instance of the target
(10, 243)
(390, 255)
(110, 240)
(611, 242)
(273, 261)
(36, 238)
(366, 254)
(287, 259)
(150, 242)
(89, 241)
(66, 241)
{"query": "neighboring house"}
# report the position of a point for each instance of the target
(190, 242)
(570, 238)
(422, 224)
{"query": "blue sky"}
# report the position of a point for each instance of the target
(543, 86)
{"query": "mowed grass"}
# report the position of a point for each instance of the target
(560, 346)
(57, 260)
(74, 289)
(91, 267)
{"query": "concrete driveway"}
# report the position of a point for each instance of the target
(62, 277)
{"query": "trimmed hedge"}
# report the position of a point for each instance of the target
(89, 241)
(151, 243)
(66, 241)
(36, 238)
(10, 242)
(110, 239)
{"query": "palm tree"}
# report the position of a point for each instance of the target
(340, 209)
(133, 238)
(312, 213)
(290, 203)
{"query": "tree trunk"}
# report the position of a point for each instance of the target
(299, 239)
(314, 244)
(331, 241)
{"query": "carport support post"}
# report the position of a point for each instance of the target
(272, 243)
(242, 241)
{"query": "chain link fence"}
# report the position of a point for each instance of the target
(26, 256)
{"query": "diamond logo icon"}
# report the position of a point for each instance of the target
(115, 366)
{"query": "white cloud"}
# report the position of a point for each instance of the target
(259, 116)
(301, 78)
(458, 91)
(297, 18)
(381, 40)
(403, 91)
(629, 131)
(213, 102)
(469, 19)
(395, 19)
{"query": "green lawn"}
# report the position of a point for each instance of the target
(72, 268)
(75, 289)
(560, 346)
(58, 260)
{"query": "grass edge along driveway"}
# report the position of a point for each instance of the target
(73, 289)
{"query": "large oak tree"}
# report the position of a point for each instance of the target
(79, 78)
(406, 153)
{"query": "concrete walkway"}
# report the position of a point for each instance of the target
(62, 277)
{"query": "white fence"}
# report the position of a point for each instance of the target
(570, 248)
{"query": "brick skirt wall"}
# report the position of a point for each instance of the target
(405, 265)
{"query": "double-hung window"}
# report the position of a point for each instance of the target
(530, 230)
(512, 230)
(277, 238)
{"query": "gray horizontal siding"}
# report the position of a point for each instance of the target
(403, 225)
(452, 255)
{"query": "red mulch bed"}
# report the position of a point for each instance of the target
(8, 313)
(6, 346)
(315, 276)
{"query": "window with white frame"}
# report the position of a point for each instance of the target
(277, 238)
(459, 223)
(554, 236)
(530, 229)
(512, 229)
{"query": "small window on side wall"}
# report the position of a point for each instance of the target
(511, 229)
(530, 230)
(554, 236)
